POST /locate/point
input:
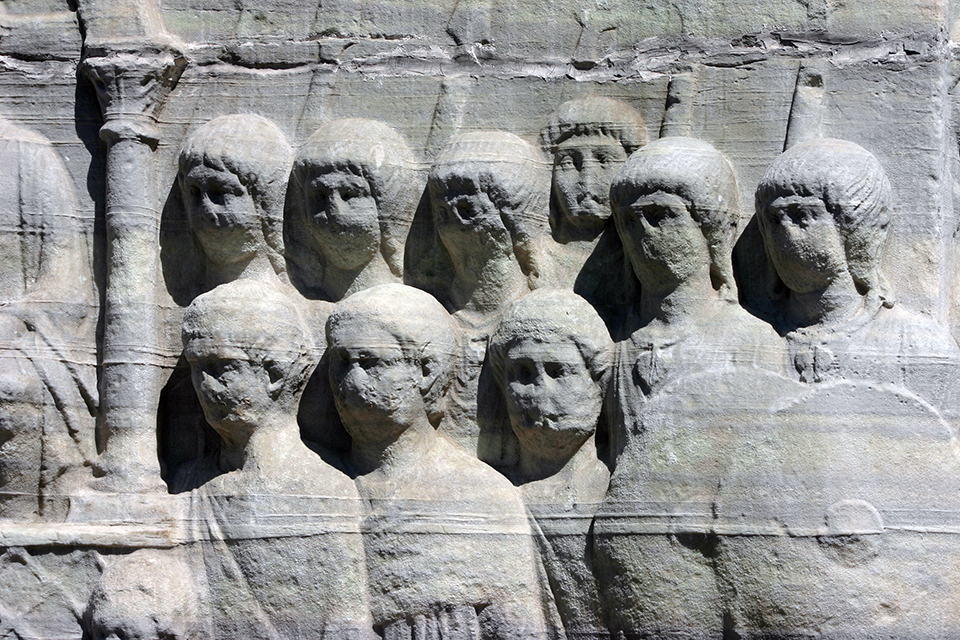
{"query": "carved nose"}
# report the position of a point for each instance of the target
(591, 177)
(336, 203)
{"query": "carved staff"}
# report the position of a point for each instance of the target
(133, 79)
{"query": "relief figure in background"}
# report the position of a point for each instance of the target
(351, 200)
(48, 395)
(448, 547)
(232, 178)
(353, 192)
(589, 139)
(824, 209)
(552, 356)
(231, 183)
(489, 194)
(277, 534)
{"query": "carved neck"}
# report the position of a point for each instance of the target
(832, 304)
(486, 287)
(566, 462)
(676, 305)
(258, 267)
(340, 283)
(259, 444)
(387, 457)
(585, 231)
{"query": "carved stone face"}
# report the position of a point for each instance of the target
(372, 381)
(222, 214)
(552, 399)
(583, 167)
(665, 244)
(467, 219)
(343, 212)
(803, 241)
(236, 386)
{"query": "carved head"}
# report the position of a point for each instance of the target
(353, 193)
(676, 204)
(551, 354)
(147, 595)
(249, 353)
(233, 176)
(589, 138)
(490, 189)
(391, 350)
(824, 207)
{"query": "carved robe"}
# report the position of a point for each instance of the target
(47, 304)
(280, 554)
(450, 554)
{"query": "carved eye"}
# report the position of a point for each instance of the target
(274, 370)
(655, 214)
(553, 369)
(800, 214)
(522, 372)
(566, 163)
(773, 214)
(216, 197)
(319, 196)
(465, 209)
(367, 361)
(605, 158)
(211, 369)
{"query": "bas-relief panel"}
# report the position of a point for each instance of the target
(423, 348)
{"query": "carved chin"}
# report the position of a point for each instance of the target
(231, 425)
(588, 211)
(545, 433)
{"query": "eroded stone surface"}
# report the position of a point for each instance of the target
(408, 320)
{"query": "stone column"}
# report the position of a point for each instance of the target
(132, 86)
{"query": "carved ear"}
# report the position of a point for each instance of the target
(429, 368)
(431, 384)
(278, 377)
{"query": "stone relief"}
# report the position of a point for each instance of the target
(489, 195)
(448, 547)
(232, 179)
(552, 356)
(146, 594)
(229, 195)
(824, 209)
(462, 352)
(589, 138)
(277, 531)
(351, 200)
(48, 384)
(676, 205)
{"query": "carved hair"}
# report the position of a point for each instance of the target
(256, 151)
(854, 188)
(703, 177)
(258, 318)
(420, 325)
(515, 177)
(380, 155)
(549, 316)
(595, 115)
